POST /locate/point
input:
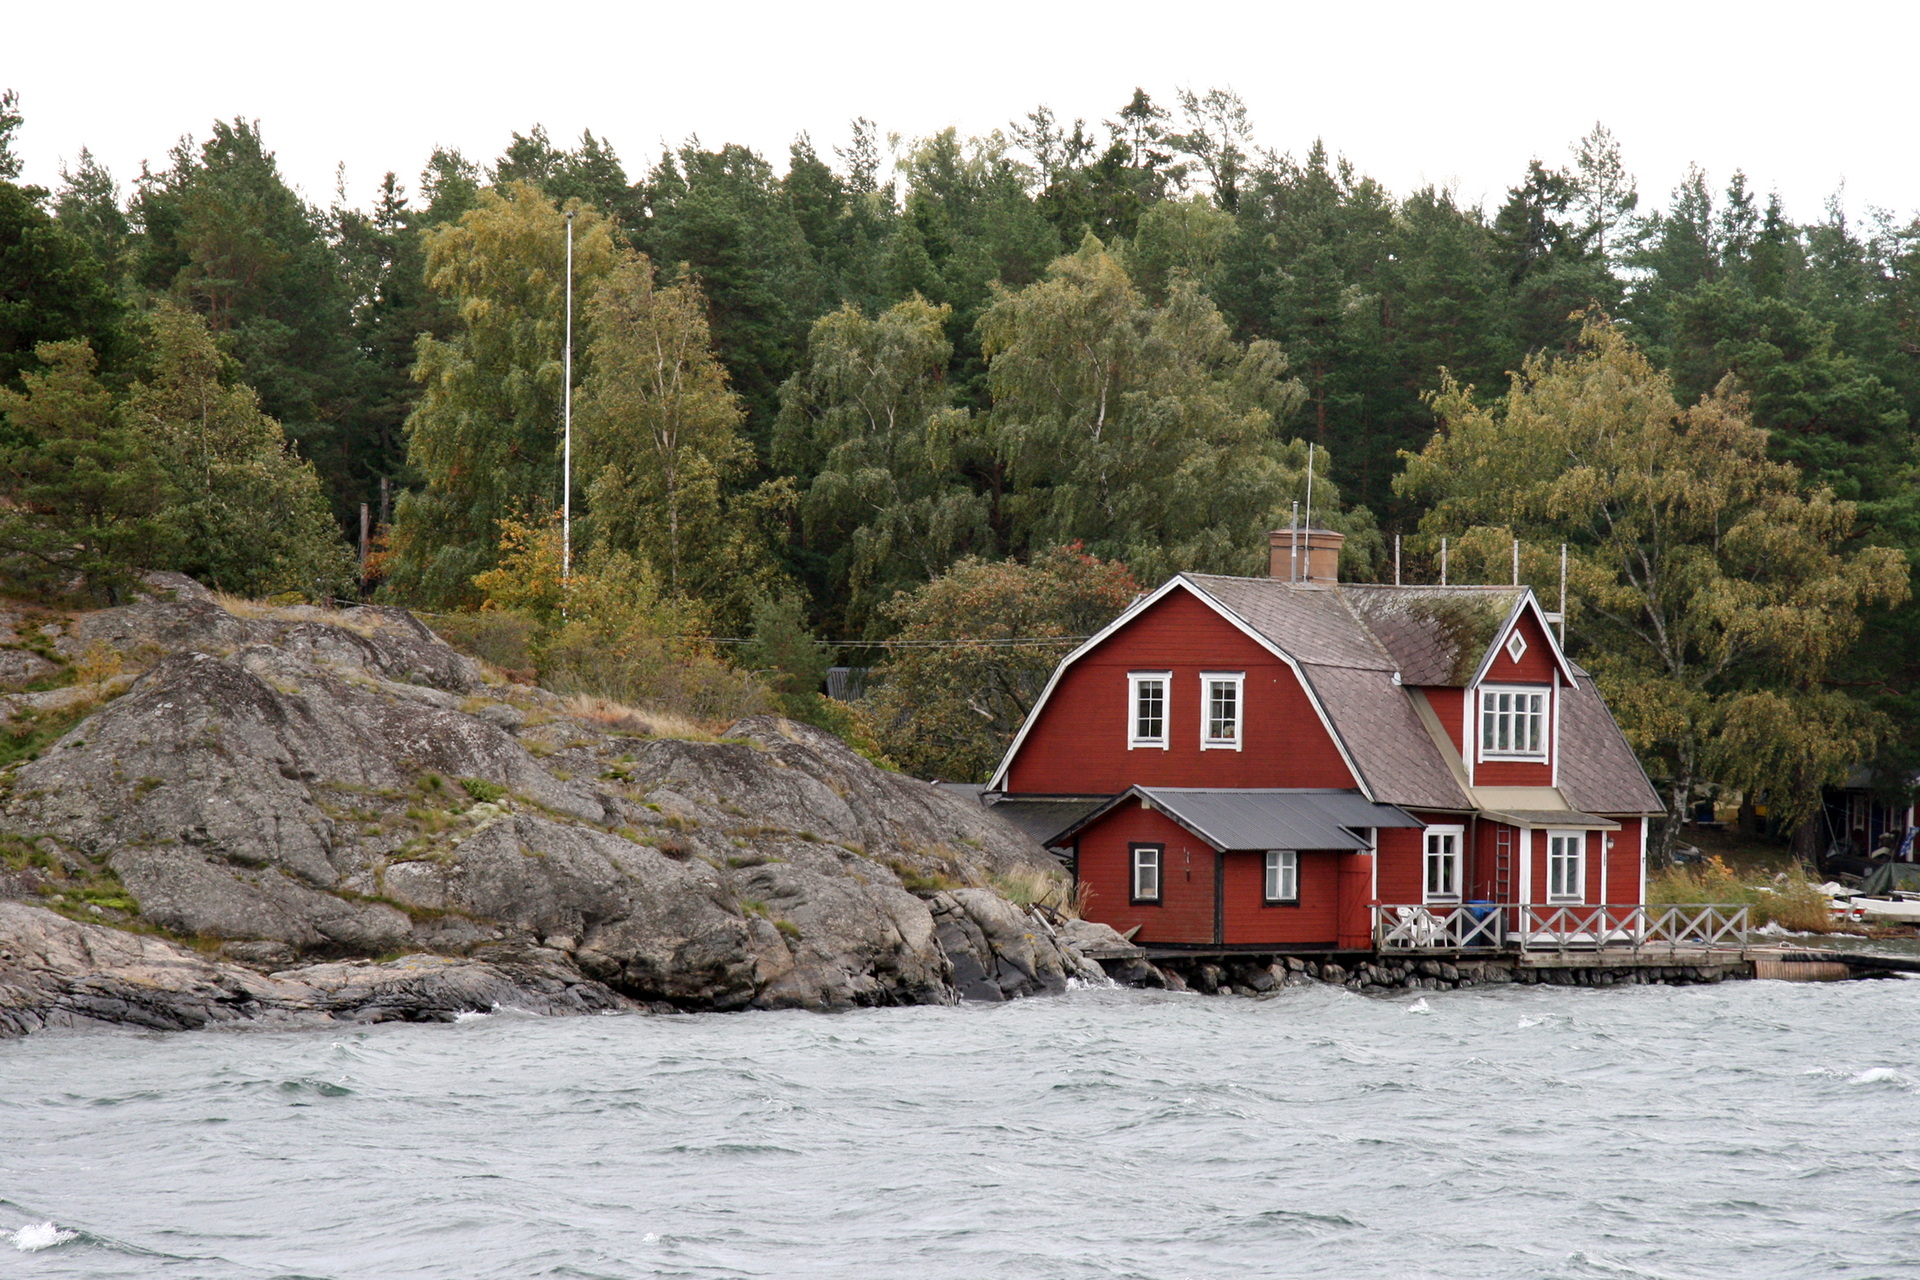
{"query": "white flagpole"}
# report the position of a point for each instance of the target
(566, 466)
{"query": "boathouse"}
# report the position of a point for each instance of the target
(1299, 763)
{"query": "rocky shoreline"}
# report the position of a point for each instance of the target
(261, 814)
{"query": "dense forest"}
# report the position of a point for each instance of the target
(933, 395)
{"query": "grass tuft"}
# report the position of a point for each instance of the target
(650, 723)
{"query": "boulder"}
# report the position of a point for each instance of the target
(304, 785)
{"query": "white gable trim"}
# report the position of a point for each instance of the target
(998, 780)
(1528, 602)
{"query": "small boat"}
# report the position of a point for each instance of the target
(1884, 908)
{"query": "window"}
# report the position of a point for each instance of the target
(1513, 722)
(1147, 708)
(1220, 709)
(1146, 872)
(1283, 875)
(1516, 645)
(1566, 866)
(1443, 864)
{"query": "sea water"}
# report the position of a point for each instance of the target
(1756, 1129)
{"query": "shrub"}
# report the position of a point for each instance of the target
(1792, 901)
(482, 790)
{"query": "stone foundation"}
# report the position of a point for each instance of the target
(1256, 975)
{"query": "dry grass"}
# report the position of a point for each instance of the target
(270, 611)
(621, 718)
(1790, 900)
(1050, 889)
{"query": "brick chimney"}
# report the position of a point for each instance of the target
(1319, 557)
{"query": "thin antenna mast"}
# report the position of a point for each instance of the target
(1443, 562)
(1516, 562)
(1309, 573)
(566, 466)
(1396, 559)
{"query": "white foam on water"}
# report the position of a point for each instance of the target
(1881, 1075)
(40, 1235)
(649, 1238)
(468, 1015)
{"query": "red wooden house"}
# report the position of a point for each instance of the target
(1279, 763)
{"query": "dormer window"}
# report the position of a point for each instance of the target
(1513, 723)
(1516, 645)
(1147, 709)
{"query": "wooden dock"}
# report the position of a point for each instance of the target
(1208, 969)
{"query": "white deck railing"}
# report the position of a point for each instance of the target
(1556, 927)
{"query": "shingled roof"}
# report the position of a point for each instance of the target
(1361, 648)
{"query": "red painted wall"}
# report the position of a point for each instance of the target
(1356, 915)
(1402, 851)
(1185, 912)
(1315, 920)
(1623, 864)
(1536, 666)
(1078, 746)
(1446, 705)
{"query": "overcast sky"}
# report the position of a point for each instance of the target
(1803, 98)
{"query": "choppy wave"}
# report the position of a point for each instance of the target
(36, 1236)
(1644, 1132)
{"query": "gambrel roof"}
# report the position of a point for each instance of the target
(1360, 650)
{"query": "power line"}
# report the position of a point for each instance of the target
(998, 642)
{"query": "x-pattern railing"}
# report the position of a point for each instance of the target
(1556, 927)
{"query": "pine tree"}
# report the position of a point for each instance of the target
(83, 498)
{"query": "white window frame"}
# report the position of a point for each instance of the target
(1140, 857)
(1487, 691)
(1237, 679)
(1135, 680)
(1577, 891)
(1281, 885)
(1457, 856)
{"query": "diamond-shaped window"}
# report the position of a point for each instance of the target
(1516, 645)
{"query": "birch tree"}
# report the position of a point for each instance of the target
(660, 435)
(869, 421)
(1710, 592)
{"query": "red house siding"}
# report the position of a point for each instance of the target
(1448, 705)
(1316, 919)
(1536, 665)
(1078, 746)
(1623, 863)
(1483, 866)
(1185, 911)
(1401, 853)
